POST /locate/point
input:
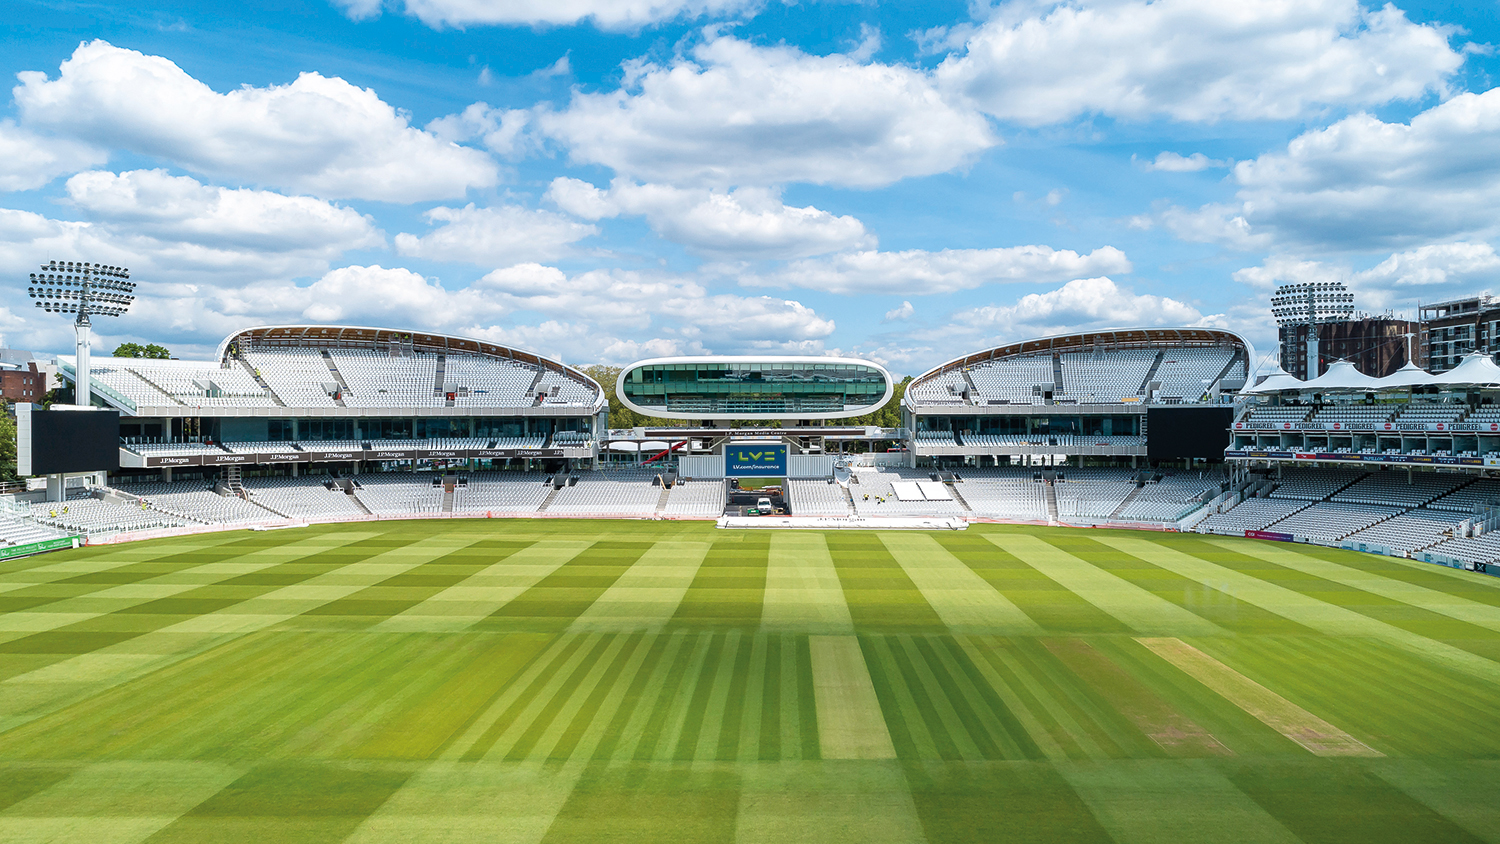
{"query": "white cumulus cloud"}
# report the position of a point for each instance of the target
(496, 235)
(605, 14)
(921, 272)
(317, 135)
(1081, 304)
(28, 160)
(1171, 162)
(734, 113)
(155, 204)
(749, 223)
(1193, 60)
(1430, 272)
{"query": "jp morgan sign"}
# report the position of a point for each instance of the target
(751, 460)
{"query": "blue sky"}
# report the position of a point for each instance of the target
(604, 180)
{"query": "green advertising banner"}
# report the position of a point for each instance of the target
(767, 461)
(38, 547)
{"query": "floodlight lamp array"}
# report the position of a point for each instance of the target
(1310, 303)
(83, 288)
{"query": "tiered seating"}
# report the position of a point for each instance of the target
(511, 493)
(1004, 494)
(1391, 488)
(882, 501)
(16, 529)
(1251, 514)
(115, 375)
(528, 441)
(1476, 549)
(946, 388)
(93, 516)
(174, 449)
(1355, 414)
(1486, 414)
(614, 494)
(817, 498)
(1166, 499)
(296, 376)
(1430, 413)
(1326, 522)
(1409, 531)
(696, 498)
(1190, 372)
(187, 382)
(262, 448)
(1313, 484)
(936, 437)
(399, 492)
(377, 379)
(572, 439)
(1279, 414)
(301, 498)
(195, 501)
(1012, 380)
(1485, 491)
(1106, 376)
(490, 382)
(560, 389)
(1091, 494)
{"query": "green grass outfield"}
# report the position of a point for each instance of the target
(559, 681)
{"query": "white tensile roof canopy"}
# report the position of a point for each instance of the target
(1478, 370)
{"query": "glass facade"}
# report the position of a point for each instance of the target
(754, 388)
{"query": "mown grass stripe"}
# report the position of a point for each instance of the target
(1471, 612)
(530, 699)
(770, 701)
(749, 744)
(736, 701)
(544, 734)
(803, 592)
(681, 742)
(537, 662)
(903, 723)
(667, 722)
(644, 729)
(995, 727)
(647, 595)
(1319, 737)
(962, 599)
(1055, 713)
(483, 594)
(1029, 733)
(714, 726)
(1320, 615)
(619, 741)
(850, 722)
(1138, 609)
(942, 718)
(1116, 735)
(541, 712)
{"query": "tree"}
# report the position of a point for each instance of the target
(889, 414)
(621, 416)
(136, 350)
(8, 443)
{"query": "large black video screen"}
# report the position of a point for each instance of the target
(1178, 432)
(74, 441)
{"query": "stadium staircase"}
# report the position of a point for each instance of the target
(531, 391)
(1057, 382)
(254, 375)
(547, 502)
(958, 496)
(1051, 495)
(973, 390)
(661, 500)
(438, 387)
(171, 399)
(958, 438)
(1126, 503)
(450, 487)
(1150, 373)
(349, 491)
(1224, 373)
(849, 500)
(337, 376)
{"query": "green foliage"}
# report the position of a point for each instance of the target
(889, 414)
(136, 350)
(8, 443)
(621, 416)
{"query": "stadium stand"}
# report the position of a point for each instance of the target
(621, 493)
(296, 376)
(302, 498)
(816, 498)
(696, 499)
(507, 493)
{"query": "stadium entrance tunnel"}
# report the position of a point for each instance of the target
(739, 502)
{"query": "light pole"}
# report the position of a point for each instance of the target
(84, 289)
(1310, 305)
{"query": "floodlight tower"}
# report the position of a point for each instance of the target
(1312, 304)
(84, 289)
